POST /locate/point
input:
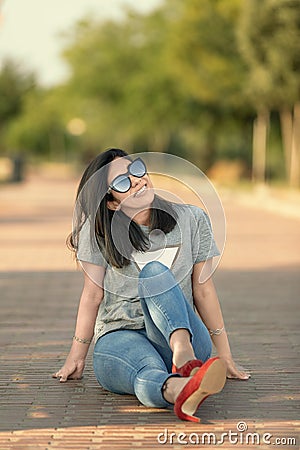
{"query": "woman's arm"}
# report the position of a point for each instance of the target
(208, 306)
(91, 297)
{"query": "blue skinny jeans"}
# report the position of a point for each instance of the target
(139, 362)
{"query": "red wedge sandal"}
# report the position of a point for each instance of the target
(208, 380)
(189, 368)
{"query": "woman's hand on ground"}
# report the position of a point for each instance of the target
(71, 370)
(235, 371)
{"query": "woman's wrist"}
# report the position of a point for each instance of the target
(221, 344)
(217, 331)
(78, 350)
(76, 357)
(82, 340)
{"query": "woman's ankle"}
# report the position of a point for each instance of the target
(172, 388)
(180, 343)
(182, 356)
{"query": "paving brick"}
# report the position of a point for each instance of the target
(258, 284)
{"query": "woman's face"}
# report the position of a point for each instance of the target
(140, 195)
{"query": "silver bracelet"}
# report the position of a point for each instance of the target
(82, 341)
(216, 332)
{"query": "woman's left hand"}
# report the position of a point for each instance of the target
(235, 371)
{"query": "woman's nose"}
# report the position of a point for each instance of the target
(134, 180)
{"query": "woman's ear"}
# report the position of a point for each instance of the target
(112, 204)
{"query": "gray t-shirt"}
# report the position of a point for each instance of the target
(190, 242)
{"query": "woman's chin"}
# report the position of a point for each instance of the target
(141, 201)
(146, 199)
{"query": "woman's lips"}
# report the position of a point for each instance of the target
(141, 191)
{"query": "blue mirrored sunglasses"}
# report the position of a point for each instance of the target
(122, 183)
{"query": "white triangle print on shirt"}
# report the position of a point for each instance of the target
(165, 255)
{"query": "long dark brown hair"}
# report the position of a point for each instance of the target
(91, 204)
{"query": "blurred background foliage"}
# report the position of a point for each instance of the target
(216, 82)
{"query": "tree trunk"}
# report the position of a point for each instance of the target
(18, 172)
(295, 151)
(260, 134)
(286, 122)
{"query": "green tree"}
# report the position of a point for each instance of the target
(168, 81)
(269, 39)
(41, 128)
(119, 70)
(205, 57)
(15, 83)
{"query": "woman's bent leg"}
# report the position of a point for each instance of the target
(166, 310)
(125, 362)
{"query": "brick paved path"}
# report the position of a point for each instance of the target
(258, 284)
